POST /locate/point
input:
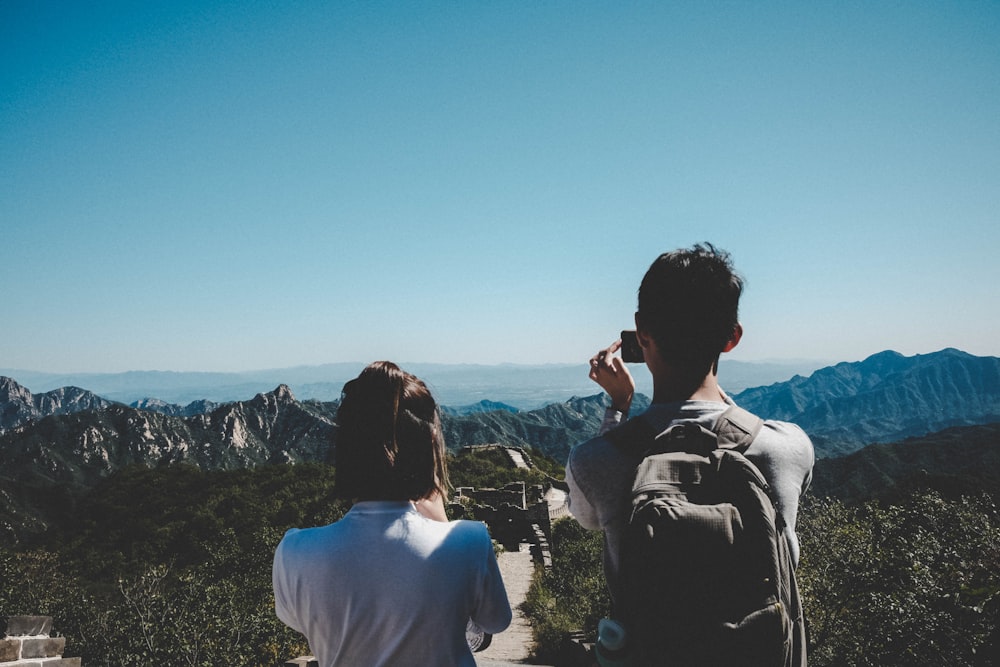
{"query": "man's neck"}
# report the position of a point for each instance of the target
(671, 389)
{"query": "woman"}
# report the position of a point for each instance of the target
(393, 582)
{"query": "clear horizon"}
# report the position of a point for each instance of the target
(636, 368)
(232, 186)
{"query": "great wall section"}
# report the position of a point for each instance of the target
(520, 519)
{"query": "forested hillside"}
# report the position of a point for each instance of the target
(171, 565)
(963, 459)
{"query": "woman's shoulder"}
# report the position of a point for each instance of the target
(471, 531)
(300, 538)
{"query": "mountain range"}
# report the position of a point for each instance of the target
(886, 397)
(69, 437)
(19, 406)
(81, 445)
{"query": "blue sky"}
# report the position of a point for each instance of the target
(241, 185)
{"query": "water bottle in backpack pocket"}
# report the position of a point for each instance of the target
(612, 648)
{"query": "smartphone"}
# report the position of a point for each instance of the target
(631, 352)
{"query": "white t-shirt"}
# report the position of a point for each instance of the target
(388, 586)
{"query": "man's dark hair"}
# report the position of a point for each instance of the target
(389, 440)
(689, 304)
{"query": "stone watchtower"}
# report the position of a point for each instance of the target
(28, 644)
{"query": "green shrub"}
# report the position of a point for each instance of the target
(572, 596)
(902, 584)
(172, 566)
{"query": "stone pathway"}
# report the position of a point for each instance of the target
(512, 647)
(558, 507)
(513, 644)
(517, 458)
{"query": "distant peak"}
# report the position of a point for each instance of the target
(885, 356)
(9, 388)
(953, 352)
(283, 393)
(893, 358)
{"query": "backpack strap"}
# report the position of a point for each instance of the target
(635, 436)
(737, 428)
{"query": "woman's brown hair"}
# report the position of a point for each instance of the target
(389, 442)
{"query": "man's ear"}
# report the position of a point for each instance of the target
(650, 352)
(734, 340)
(645, 340)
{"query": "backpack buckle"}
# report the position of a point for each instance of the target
(687, 437)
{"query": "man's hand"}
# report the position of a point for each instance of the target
(610, 372)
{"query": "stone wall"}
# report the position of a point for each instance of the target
(518, 456)
(512, 494)
(541, 552)
(29, 644)
(512, 513)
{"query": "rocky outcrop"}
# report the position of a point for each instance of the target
(19, 406)
(86, 445)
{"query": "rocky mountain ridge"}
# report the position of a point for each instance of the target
(884, 398)
(68, 439)
(84, 445)
(193, 408)
(19, 406)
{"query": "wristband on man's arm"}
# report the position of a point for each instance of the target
(612, 418)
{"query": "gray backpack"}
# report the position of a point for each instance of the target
(707, 577)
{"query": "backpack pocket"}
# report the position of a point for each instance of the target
(765, 634)
(683, 557)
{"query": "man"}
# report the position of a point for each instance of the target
(687, 316)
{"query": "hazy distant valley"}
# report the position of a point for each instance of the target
(522, 386)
